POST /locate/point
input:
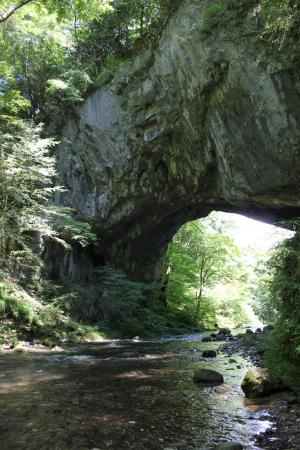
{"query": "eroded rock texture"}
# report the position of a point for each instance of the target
(202, 122)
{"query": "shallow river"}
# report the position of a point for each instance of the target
(124, 395)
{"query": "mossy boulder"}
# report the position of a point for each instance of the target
(260, 382)
(207, 339)
(207, 376)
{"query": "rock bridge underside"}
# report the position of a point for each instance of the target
(199, 123)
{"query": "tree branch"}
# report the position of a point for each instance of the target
(6, 15)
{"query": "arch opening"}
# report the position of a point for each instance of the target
(217, 271)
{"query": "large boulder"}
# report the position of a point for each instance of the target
(207, 376)
(260, 382)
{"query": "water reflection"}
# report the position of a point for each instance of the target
(123, 395)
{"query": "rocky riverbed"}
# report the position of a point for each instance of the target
(282, 409)
(126, 395)
(142, 395)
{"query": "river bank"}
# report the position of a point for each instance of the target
(283, 409)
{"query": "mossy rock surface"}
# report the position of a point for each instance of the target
(260, 382)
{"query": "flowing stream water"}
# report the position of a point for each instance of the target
(123, 395)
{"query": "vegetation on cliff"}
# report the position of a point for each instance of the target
(53, 52)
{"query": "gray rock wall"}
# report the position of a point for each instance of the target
(200, 123)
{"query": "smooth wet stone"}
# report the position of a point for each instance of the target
(221, 390)
(207, 376)
(209, 354)
(260, 382)
(229, 446)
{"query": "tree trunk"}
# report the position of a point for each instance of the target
(164, 286)
(199, 298)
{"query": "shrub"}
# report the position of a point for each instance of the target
(15, 307)
(109, 68)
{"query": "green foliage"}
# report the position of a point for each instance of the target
(280, 20)
(282, 356)
(12, 103)
(200, 258)
(284, 290)
(26, 172)
(220, 12)
(114, 302)
(23, 318)
(65, 228)
(71, 88)
(63, 10)
(53, 51)
(26, 188)
(109, 68)
(117, 32)
(14, 307)
(263, 299)
(124, 297)
(275, 22)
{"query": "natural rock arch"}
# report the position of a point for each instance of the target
(194, 125)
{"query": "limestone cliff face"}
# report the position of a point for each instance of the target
(200, 123)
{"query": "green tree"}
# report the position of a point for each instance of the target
(284, 295)
(264, 303)
(27, 173)
(52, 51)
(199, 258)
